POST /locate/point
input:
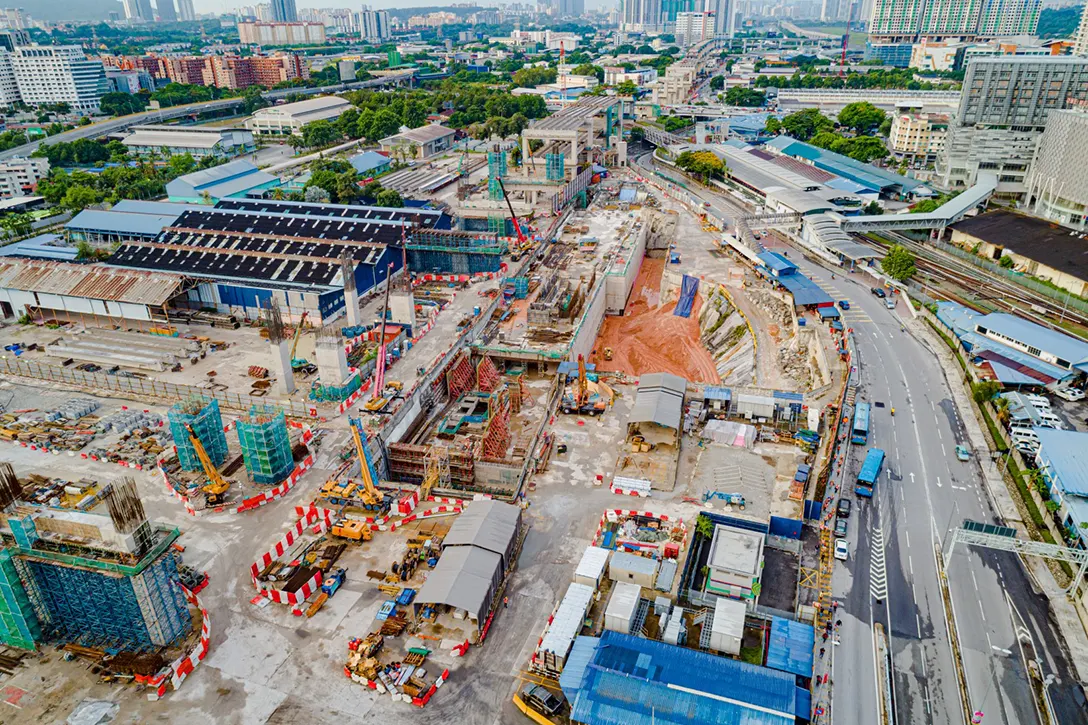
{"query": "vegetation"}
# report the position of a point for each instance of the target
(77, 190)
(928, 205)
(122, 104)
(717, 83)
(877, 78)
(861, 148)
(17, 225)
(801, 125)
(898, 263)
(674, 123)
(873, 208)
(84, 152)
(985, 390)
(863, 117)
(739, 96)
(702, 163)
(530, 77)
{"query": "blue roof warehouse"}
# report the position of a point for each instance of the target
(1065, 468)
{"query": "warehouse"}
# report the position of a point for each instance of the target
(244, 260)
(237, 179)
(624, 678)
(196, 141)
(487, 524)
(420, 143)
(67, 291)
(291, 117)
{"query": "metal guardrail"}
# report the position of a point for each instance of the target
(139, 386)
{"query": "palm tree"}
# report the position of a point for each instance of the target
(1002, 407)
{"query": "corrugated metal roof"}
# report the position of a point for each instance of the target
(462, 579)
(714, 392)
(93, 281)
(486, 523)
(423, 134)
(114, 222)
(659, 399)
(179, 139)
(162, 208)
(568, 620)
(43, 246)
(790, 646)
(625, 561)
(805, 291)
(775, 261)
(1062, 452)
(632, 681)
(1056, 343)
(594, 560)
(368, 161)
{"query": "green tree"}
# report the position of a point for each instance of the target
(319, 134)
(253, 100)
(749, 97)
(531, 77)
(386, 123)
(181, 164)
(717, 83)
(803, 125)
(898, 263)
(985, 390)
(773, 125)
(873, 208)
(863, 117)
(389, 197)
(702, 163)
(122, 104)
(78, 198)
(627, 88)
(1006, 262)
(17, 225)
(415, 114)
(347, 190)
(588, 69)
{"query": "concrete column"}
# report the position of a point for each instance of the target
(525, 153)
(332, 361)
(281, 352)
(351, 303)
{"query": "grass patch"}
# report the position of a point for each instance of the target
(752, 655)
(951, 346)
(995, 432)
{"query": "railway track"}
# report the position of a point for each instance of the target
(984, 288)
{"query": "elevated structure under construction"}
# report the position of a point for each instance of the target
(203, 416)
(266, 445)
(107, 581)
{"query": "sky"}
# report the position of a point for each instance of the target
(219, 6)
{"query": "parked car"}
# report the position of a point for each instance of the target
(842, 527)
(844, 508)
(1027, 448)
(540, 699)
(842, 551)
(890, 303)
(878, 292)
(1070, 394)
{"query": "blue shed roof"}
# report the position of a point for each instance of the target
(776, 262)
(790, 646)
(865, 174)
(115, 222)
(715, 392)
(829, 313)
(1056, 343)
(368, 161)
(1062, 452)
(804, 290)
(629, 680)
(163, 208)
(220, 181)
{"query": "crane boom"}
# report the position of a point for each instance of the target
(298, 334)
(582, 383)
(217, 485)
(372, 495)
(379, 366)
(522, 240)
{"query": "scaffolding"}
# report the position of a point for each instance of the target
(496, 169)
(19, 625)
(207, 422)
(335, 393)
(266, 445)
(487, 375)
(408, 463)
(554, 166)
(496, 439)
(459, 376)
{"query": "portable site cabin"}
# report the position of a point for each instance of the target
(566, 624)
(727, 629)
(633, 569)
(591, 568)
(622, 607)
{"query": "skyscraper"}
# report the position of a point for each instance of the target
(139, 11)
(374, 25)
(571, 8)
(725, 16)
(185, 10)
(640, 16)
(284, 11)
(671, 8)
(1009, 17)
(167, 14)
(1080, 44)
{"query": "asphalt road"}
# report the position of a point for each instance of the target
(890, 576)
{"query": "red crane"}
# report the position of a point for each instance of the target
(523, 241)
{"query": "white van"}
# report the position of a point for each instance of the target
(1050, 420)
(1039, 401)
(1021, 433)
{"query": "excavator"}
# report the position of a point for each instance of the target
(215, 489)
(584, 396)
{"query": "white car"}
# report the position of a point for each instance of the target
(1039, 401)
(841, 550)
(1070, 394)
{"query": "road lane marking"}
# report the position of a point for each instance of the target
(878, 575)
(974, 580)
(910, 562)
(939, 433)
(907, 535)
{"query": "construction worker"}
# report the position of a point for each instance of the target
(506, 602)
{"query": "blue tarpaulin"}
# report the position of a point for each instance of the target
(688, 288)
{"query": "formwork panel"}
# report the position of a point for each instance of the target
(19, 625)
(207, 422)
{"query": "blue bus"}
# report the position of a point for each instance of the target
(870, 471)
(860, 432)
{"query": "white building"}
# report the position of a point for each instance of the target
(20, 175)
(692, 28)
(281, 33)
(186, 11)
(934, 56)
(195, 140)
(48, 74)
(1080, 42)
(675, 87)
(374, 25)
(1058, 178)
(290, 118)
(918, 135)
(614, 75)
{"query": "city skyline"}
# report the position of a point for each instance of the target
(212, 6)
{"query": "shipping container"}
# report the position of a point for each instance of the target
(622, 607)
(727, 629)
(591, 568)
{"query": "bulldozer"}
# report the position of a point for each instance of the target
(216, 488)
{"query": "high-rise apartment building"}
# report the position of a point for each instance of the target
(236, 73)
(11, 38)
(139, 11)
(911, 20)
(725, 16)
(284, 11)
(641, 16)
(281, 33)
(1004, 106)
(1058, 179)
(186, 12)
(571, 8)
(166, 11)
(374, 25)
(48, 74)
(19, 176)
(691, 28)
(671, 8)
(1080, 43)
(835, 10)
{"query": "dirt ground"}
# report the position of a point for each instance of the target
(637, 337)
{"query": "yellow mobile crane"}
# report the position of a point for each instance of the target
(217, 486)
(298, 363)
(373, 499)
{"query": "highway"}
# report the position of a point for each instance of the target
(112, 125)
(890, 576)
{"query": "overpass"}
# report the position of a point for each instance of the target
(113, 125)
(948, 213)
